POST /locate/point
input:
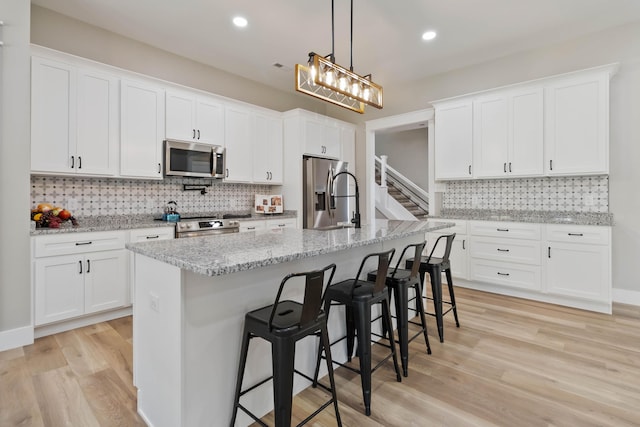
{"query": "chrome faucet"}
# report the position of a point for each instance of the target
(356, 216)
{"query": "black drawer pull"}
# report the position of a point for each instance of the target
(153, 237)
(505, 168)
(502, 229)
(251, 228)
(549, 251)
(503, 274)
(463, 244)
(88, 266)
(83, 243)
(576, 234)
(282, 225)
(80, 262)
(503, 250)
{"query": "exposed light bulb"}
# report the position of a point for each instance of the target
(366, 93)
(312, 75)
(342, 82)
(355, 88)
(329, 78)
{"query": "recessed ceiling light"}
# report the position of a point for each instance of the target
(239, 21)
(429, 35)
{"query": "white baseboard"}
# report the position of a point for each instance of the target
(15, 338)
(626, 296)
(54, 328)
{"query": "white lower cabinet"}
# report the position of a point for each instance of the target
(76, 274)
(252, 225)
(578, 262)
(459, 248)
(268, 224)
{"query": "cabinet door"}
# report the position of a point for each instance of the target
(453, 141)
(106, 284)
(458, 256)
(490, 136)
(59, 288)
(239, 160)
(576, 126)
(332, 146)
(578, 270)
(209, 121)
(321, 139)
(180, 116)
(142, 130)
(526, 133)
(53, 116)
(267, 149)
(252, 225)
(97, 123)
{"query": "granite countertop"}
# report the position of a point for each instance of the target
(128, 222)
(230, 253)
(541, 217)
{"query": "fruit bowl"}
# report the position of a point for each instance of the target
(48, 216)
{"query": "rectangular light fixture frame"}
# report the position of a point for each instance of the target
(306, 84)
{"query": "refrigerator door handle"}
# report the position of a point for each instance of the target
(331, 204)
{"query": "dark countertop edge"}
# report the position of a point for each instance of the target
(235, 268)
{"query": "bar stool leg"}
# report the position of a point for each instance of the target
(452, 297)
(351, 331)
(401, 297)
(283, 355)
(246, 337)
(324, 338)
(386, 315)
(363, 327)
(435, 274)
(423, 320)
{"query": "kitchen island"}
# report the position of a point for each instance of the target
(191, 296)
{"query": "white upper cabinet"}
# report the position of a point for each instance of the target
(267, 149)
(322, 139)
(453, 140)
(577, 125)
(238, 144)
(507, 134)
(74, 119)
(194, 117)
(141, 129)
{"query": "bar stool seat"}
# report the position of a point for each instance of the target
(358, 296)
(435, 267)
(283, 324)
(399, 281)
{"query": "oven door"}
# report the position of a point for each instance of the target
(188, 159)
(202, 233)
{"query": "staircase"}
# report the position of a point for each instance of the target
(408, 196)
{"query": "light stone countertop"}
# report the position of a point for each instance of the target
(128, 222)
(540, 217)
(230, 253)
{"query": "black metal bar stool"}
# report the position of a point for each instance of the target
(283, 324)
(399, 281)
(435, 267)
(358, 297)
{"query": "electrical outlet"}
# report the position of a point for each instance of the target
(154, 302)
(588, 200)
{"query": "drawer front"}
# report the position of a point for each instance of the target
(459, 228)
(510, 230)
(509, 250)
(513, 275)
(252, 225)
(281, 223)
(75, 243)
(149, 234)
(590, 234)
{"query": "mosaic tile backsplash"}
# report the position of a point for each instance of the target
(107, 196)
(577, 194)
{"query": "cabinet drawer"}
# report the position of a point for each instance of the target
(75, 243)
(578, 234)
(154, 233)
(252, 225)
(510, 250)
(459, 228)
(282, 223)
(513, 275)
(515, 230)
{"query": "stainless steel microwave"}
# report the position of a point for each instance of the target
(182, 158)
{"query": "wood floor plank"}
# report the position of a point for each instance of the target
(118, 354)
(83, 355)
(123, 326)
(61, 400)
(18, 405)
(44, 355)
(111, 400)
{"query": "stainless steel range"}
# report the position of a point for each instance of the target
(204, 226)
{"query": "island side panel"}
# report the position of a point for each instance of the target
(157, 341)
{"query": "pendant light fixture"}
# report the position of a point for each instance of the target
(324, 79)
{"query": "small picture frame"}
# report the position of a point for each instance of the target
(269, 203)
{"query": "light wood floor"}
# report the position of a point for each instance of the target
(511, 363)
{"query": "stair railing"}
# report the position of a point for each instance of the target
(407, 187)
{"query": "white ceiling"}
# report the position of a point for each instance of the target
(387, 34)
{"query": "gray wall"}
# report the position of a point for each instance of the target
(15, 284)
(407, 151)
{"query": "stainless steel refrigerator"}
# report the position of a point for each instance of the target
(323, 208)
